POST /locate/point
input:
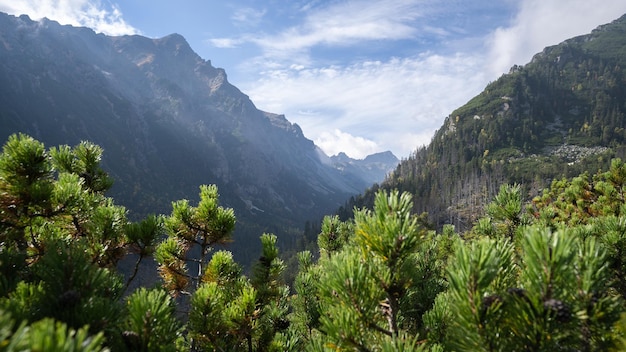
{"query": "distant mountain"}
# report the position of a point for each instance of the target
(168, 121)
(561, 114)
(365, 172)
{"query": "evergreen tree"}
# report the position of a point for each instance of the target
(305, 302)
(551, 298)
(333, 236)
(272, 296)
(374, 291)
(234, 313)
(46, 335)
(61, 238)
(151, 323)
(190, 227)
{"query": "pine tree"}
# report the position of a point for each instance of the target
(374, 291)
(305, 302)
(61, 238)
(190, 227)
(232, 312)
(46, 335)
(333, 236)
(272, 296)
(151, 323)
(550, 298)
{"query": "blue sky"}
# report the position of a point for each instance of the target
(358, 76)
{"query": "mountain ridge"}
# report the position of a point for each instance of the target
(168, 121)
(558, 116)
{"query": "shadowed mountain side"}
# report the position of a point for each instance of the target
(168, 121)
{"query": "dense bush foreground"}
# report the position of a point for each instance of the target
(546, 275)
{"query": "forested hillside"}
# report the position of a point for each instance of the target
(559, 115)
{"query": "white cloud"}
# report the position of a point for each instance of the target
(344, 23)
(224, 43)
(247, 17)
(94, 14)
(341, 23)
(541, 23)
(332, 143)
(397, 104)
(388, 103)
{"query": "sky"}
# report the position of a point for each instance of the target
(359, 76)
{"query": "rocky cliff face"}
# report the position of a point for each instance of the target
(168, 121)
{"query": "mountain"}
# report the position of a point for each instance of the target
(557, 116)
(168, 122)
(365, 172)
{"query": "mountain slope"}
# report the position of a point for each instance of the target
(559, 115)
(168, 121)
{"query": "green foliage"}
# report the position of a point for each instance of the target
(36, 207)
(305, 302)
(504, 217)
(507, 205)
(222, 270)
(272, 293)
(541, 276)
(266, 273)
(172, 267)
(555, 300)
(563, 282)
(438, 320)
(142, 234)
(611, 232)
(206, 223)
(480, 272)
(106, 231)
(232, 312)
(83, 160)
(374, 290)
(333, 235)
(390, 232)
(203, 226)
(46, 335)
(350, 297)
(151, 323)
(68, 288)
(594, 205)
(142, 237)
(61, 239)
(26, 172)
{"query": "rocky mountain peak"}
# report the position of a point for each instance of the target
(342, 158)
(168, 121)
(375, 166)
(383, 157)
